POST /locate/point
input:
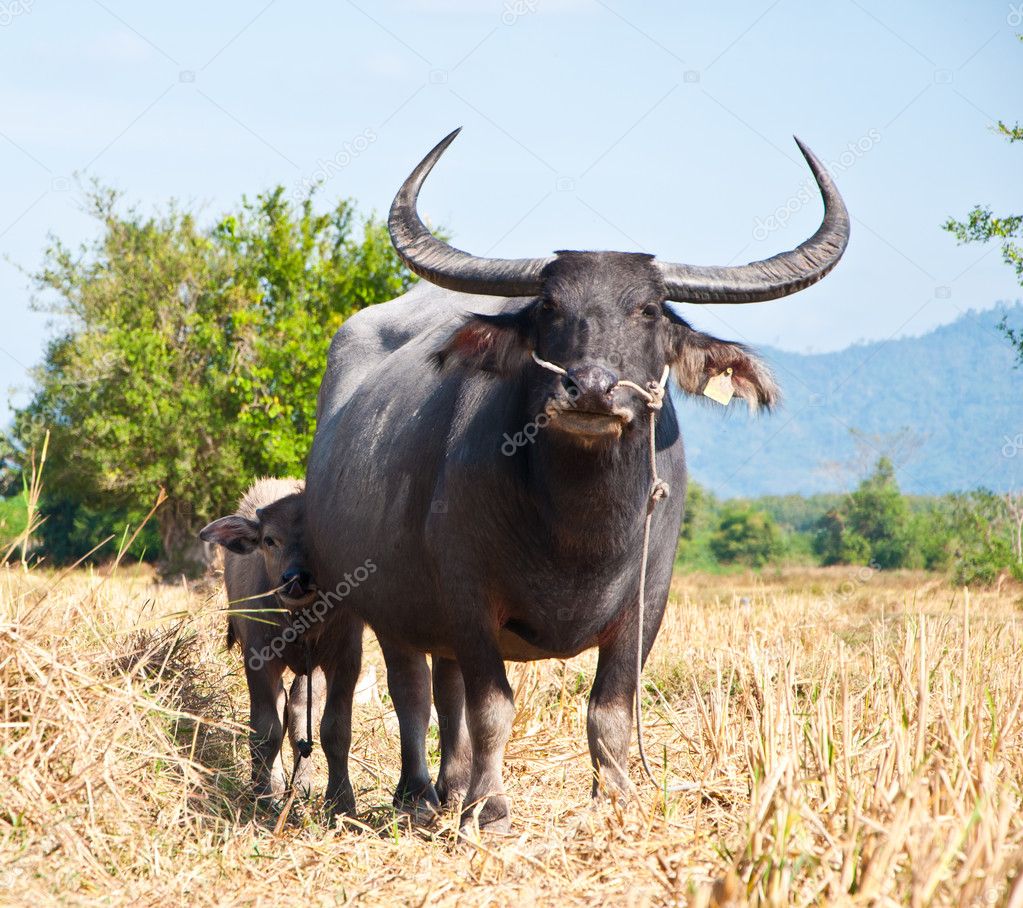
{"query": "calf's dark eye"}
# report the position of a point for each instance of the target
(269, 541)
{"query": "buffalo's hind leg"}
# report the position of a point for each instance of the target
(341, 667)
(455, 748)
(408, 683)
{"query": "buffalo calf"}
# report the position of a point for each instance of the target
(271, 591)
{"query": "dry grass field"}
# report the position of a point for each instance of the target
(853, 738)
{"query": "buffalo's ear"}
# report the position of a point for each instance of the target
(235, 533)
(697, 357)
(494, 343)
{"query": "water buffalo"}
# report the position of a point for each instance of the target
(488, 551)
(269, 584)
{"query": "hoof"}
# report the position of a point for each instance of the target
(611, 785)
(451, 797)
(493, 820)
(264, 794)
(340, 803)
(302, 781)
(421, 805)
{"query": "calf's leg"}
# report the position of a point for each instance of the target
(302, 769)
(266, 713)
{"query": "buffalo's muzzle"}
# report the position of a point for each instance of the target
(590, 411)
(296, 584)
(590, 388)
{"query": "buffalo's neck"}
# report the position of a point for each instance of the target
(592, 498)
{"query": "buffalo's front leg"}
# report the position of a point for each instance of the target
(298, 730)
(490, 711)
(408, 682)
(609, 715)
(610, 712)
(455, 748)
(342, 673)
(266, 715)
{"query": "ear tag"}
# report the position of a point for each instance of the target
(719, 387)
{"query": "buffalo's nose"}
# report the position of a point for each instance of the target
(295, 581)
(591, 386)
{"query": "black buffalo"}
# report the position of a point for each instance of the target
(494, 539)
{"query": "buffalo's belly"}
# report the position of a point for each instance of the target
(514, 648)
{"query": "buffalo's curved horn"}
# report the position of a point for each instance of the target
(777, 276)
(445, 265)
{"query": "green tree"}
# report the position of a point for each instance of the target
(879, 514)
(70, 529)
(10, 469)
(745, 536)
(701, 507)
(190, 358)
(836, 543)
(979, 538)
(929, 530)
(983, 226)
(871, 526)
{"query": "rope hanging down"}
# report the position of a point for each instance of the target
(653, 394)
(304, 746)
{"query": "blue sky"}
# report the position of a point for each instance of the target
(596, 124)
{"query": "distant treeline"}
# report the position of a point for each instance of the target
(974, 537)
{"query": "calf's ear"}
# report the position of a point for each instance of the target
(697, 357)
(235, 533)
(494, 343)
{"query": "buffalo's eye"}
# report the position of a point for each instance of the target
(548, 305)
(269, 541)
(651, 310)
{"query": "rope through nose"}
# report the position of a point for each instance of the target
(549, 366)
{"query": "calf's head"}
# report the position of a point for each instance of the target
(603, 317)
(276, 536)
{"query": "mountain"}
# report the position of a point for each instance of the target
(946, 407)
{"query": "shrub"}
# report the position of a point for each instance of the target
(745, 536)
